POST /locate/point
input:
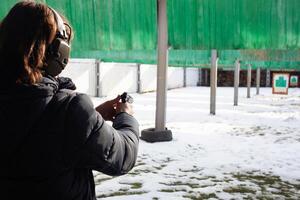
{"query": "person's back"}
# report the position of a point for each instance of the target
(51, 137)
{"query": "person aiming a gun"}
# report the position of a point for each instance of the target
(52, 137)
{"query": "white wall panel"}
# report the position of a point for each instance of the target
(83, 74)
(116, 78)
(175, 77)
(148, 78)
(192, 76)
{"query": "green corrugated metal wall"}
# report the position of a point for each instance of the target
(110, 24)
(125, 30)
(234, 24)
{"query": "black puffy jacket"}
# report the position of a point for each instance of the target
(52, 139)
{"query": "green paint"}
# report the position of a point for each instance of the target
(104, 28)
(294, 80)
(281, 82)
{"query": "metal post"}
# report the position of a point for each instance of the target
(213, 81)
(162, 66)
(257, 80)
(206, 77)
(268, 78)
(184, 77)
(199, 83)
(236, 82)
(249, 81)
(97, 65)
(139, 90)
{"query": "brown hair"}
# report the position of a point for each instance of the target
(25, 34)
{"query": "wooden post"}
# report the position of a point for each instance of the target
(249, 81)
(160, 132)
(236, 82)
(213, 81)
(257, 80)
(162, 68)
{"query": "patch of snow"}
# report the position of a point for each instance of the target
(260, 137)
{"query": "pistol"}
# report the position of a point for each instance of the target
(126, 98)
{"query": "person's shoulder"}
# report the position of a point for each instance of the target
(72, 98)
(65, 95)
(79, 101)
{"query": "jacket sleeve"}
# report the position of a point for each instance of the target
(92, 143)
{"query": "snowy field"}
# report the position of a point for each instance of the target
(251, 151)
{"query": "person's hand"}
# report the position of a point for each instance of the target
(108, 108)
(124, 107)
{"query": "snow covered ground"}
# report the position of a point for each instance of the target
(251, 151)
